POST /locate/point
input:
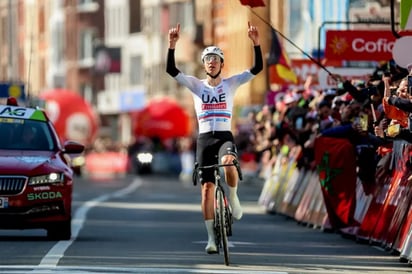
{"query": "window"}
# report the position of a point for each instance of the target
(87, 38)
(136, 70)
(26, 135)
(87, 6)
(86, 91)
(151, 19)
(135, 16)
(83, 2)
(181, 12)
(57, 38)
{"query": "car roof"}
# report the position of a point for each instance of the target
(20, 112)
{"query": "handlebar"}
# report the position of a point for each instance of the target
(216, 166)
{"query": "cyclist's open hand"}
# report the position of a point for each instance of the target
(174, 34)
(253, 34)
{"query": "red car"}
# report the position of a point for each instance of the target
(36, 179)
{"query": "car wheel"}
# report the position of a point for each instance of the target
(60, 231)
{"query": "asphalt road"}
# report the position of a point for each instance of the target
(153, 224)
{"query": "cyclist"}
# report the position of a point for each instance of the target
(213, 102)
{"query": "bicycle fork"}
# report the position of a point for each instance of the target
(227, 213)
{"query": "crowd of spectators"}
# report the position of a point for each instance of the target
(370, 114)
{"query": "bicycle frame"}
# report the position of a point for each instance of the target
(222, 212)
(223, 219)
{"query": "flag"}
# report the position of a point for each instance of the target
(405, 15)
(107, 59)
(279, 65)
(336, 163)
(253, 3)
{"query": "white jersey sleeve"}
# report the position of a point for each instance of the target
(214, 104)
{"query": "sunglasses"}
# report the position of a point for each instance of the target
(211, 58)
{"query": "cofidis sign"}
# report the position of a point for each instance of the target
(359, 45)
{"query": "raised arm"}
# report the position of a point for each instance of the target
(254, 36)
(174, 34)
(386, 80)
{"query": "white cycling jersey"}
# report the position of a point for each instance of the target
(214, 105)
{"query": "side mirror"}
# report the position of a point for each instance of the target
(71, 147)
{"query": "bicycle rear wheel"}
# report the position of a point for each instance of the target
(223, 225)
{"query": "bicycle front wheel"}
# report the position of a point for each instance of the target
(223, 226)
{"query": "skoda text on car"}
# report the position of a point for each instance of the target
(36, 180)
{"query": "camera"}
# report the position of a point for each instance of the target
(393, 91)
(410, 84)
(368, 91)
(410, 122)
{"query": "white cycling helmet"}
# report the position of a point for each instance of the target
(213, 50)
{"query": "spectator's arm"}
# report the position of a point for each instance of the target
(344, 131)
(354, 92)
(401, 103)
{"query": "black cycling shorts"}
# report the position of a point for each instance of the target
(210, 147)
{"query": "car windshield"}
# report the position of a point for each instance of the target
(20, 134)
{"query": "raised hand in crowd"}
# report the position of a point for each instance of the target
(387, 83)
(379, 131)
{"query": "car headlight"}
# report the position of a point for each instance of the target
(78, 161)
(145, 158)
(52, 178)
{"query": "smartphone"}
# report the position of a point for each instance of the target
(393, 130)
(410, 84)
(364, 121)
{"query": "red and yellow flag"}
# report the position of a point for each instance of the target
(279, 65)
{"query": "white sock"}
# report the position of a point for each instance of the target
(210, 230)
(232, 191)
(234, 203)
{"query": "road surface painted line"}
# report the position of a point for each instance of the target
(125, 270)
(231, 243)
(52, 258)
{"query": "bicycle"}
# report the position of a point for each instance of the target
(223, 215)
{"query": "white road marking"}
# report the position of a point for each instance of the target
(127, 270)
(51, 259)
(49, 263)
(231, 243)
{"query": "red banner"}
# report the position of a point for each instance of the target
(381, 228)
(106, 163)
(359, 45)
(400, 215)
(375, 210)
(404, 232)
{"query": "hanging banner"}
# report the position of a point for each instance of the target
(360, 45)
